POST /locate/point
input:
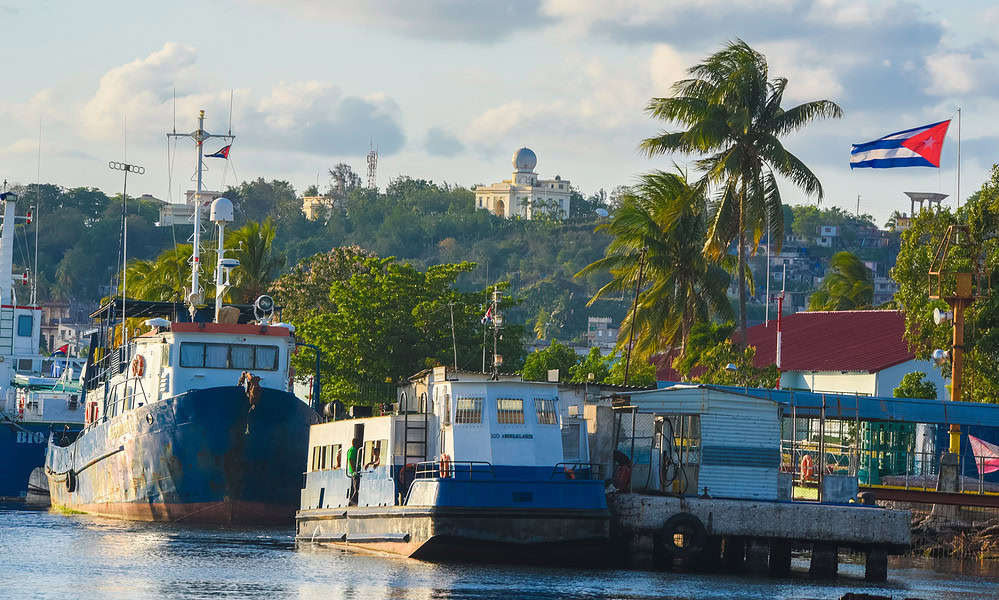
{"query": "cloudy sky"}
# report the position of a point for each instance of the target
(447, 90)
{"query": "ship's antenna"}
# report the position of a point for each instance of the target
(230, 111)
(38, 207)
(175, 109)
(199, 136)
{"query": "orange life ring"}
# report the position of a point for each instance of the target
(20, 408)
(138, 366)
(807, 468)
(445, 469)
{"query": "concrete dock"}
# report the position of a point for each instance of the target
(751, 535)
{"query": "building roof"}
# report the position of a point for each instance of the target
(849, 340)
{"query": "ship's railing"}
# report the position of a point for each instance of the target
(464, 470)
(579, 471)
(126, 402)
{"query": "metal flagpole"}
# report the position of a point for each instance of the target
(959, 157)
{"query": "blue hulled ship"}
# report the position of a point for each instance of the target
(34, 399)
(194, 418)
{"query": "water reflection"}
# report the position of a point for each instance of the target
(58, 556)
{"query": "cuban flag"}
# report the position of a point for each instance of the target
(918, 147)
(61, 351)
(488, 317)
(222, 153)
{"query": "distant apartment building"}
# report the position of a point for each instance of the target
(63, 323)
(315, 207)
(601, 333)
(524, 195)
(827, 236)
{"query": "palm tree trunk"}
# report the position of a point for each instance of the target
(742, 266)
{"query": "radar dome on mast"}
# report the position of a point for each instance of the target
(221, 211)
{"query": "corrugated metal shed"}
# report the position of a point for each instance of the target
(740, 437)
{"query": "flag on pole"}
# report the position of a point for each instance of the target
(61, 351)
(222, 153)
(488, 317)
(986, 455)
(917, 147)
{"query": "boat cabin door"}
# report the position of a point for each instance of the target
(676, 453)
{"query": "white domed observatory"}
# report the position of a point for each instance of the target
(524, 195)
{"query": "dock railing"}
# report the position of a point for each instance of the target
(578, 471)
(462, 470)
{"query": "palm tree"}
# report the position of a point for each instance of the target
(846, 286)
(164, 278)
(734, 120)
(660, 228)
(893, 220)
(258, 265)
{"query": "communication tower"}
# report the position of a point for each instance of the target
(372, 167)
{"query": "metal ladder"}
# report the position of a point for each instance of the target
(6, 331)
(415, 435)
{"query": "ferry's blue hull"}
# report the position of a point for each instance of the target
(201, 456)
(22, 449)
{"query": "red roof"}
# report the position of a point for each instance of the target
(849, 340)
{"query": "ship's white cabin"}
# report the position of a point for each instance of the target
(174, 357)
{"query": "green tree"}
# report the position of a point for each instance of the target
(305, 289)
(981, 334)
(733, 115)
(593, 364)
(640, 372)
(846, 286)
(704, 336)
(659, 229)
(391, 320)
(556, 356)
(913, 385)
(253, 246)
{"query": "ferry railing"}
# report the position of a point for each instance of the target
(461, 470)
(579, 471)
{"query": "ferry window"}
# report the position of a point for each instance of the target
(447, 408)
(242, 357)
(335, 453)
(570, 441)
(373, 451)
(315, 458)
(546, 410)
(267, 358)
(192, 355)
(216, 356)
(510, 411)
(24, 325)
(468, 410)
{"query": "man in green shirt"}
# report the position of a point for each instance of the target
(352, 471)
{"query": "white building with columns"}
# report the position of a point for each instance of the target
(524, 195)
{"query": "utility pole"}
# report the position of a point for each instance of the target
(634, 316)
(454, 340)
(497, 323)
(126, 168)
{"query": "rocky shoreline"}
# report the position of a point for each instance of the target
(939, 537)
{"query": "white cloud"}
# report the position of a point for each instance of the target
(667, 66)
(956, 73)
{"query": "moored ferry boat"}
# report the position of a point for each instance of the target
(195, 418)
(472, 469)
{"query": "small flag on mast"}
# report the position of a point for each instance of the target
(488, 317)
(917, 147)
(222, 153)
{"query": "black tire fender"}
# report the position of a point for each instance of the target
(71, 481)
(693, 533)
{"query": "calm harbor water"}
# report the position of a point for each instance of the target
(47, 555)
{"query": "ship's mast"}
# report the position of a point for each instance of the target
(199, 136)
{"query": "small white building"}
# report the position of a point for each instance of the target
(851, 351)
(524, 195)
